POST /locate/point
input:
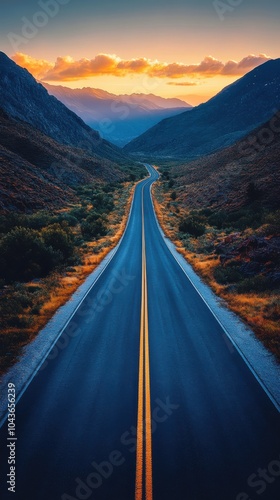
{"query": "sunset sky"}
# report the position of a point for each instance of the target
(170, 48)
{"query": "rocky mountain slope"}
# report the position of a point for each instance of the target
(36, 172)
(25, 99)
(224, 119)
(222, 179)
(222, 211)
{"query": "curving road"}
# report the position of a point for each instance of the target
(148, 400)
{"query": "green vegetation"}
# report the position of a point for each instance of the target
(192, 225)
(45, 256)
(94, 226)
(234, 246)
(32, 246)
(229, 274)
(26, 254)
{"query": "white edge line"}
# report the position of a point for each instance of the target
(113, 253)
(245, 359)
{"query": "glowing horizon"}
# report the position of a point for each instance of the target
(149, 46)
(149, 76)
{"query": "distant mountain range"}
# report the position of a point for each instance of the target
(23, 98)
(218, 123)
(118, 118)
(46, 149)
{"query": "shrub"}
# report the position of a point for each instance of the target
(227, 275)
(255, 284)
(244, 218)
(218, 219)
(24, 256)
(59, 240)
(273, 222)
(69, 219)
(37, 220)
(192, 225)
(94, 226)
(102, 202)
(79, 213)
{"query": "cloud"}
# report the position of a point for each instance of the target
(183, 84)
(247, 64)
(67, 69)
(37, 67)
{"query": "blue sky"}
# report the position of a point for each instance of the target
(176, 31)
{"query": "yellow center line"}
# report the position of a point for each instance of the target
(149, 478)
(140, 423)
(144, 479)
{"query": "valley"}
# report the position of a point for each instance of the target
(139, 281)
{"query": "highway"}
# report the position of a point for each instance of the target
(148, 400)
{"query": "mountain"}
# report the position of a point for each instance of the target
(230, 178)
(36, 172)
(230, 115)
(118, 118)
(23, 98)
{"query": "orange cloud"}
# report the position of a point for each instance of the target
(67, 69)
(37, 67)
(247, 64)
(183, 84)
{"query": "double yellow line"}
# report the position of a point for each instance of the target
(144, 479)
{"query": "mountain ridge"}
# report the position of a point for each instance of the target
(221, 180)
(25, 99)
(118, 118)
(37, 172)
(218, 123)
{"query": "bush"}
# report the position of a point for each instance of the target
(193, 226)
(227, 275)
(69, 219)
(78, 213)
(255, 284)
(37, 220)
(272, 220)
(24, 256)
(102, 202)
(94, 226)
(59, 240)
(218, 219)
(245, 218)
(8, 222)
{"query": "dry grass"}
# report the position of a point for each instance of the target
(57, 289)
(68, 284)
(261, 311)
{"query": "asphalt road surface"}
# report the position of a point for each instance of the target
(144, 397)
